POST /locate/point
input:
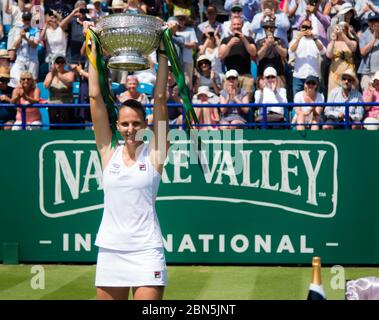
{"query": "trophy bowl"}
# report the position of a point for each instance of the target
(129, 39)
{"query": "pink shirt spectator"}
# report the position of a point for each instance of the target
(371, 96)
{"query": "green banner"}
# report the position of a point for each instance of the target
(262, 197)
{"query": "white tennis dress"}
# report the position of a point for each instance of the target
(129, 239)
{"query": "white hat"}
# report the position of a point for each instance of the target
(204, 90)
(345, 8)
(270, 71)
(231, 73)
(369, 126)
(351, 74)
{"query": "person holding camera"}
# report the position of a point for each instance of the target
(369, 49)
(26, 51)
(73, 24)
(270, 12)
(211, 23)
(271, 52)
(236, 51)
(310, 9)
(340, 51)
(306, 50)
(53, 35)
(209, 48)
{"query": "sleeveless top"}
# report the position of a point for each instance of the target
(130, 220)
(60, 93)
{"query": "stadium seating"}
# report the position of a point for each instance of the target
(146, 88)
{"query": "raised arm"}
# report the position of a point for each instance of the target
(99, 114)
(159, 146)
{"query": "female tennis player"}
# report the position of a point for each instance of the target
(129, 239)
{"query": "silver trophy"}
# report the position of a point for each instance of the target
(129, 39)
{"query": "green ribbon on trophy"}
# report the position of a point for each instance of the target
(176, 68)
(102, 70)
(101, 67)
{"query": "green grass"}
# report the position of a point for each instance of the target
(184, 282)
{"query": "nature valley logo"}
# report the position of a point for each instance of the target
(294, 176)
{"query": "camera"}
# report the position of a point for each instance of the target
(211, 34)
(236, 35)
(83, 10)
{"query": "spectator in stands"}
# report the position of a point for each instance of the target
(319, 21)
(332, 8)
(98, 9)
(364, 8)
(210, 24)
(26, 92)
(371, 94)
(369, 47)
(340, 50)
(27, 53)
(118, 6)
(154, 7)
(63, 7)
(270, 12)
(209, 48)
(54, 36)
(271, 52)
(73, 25)
(306, 49)
(233, 94)
(135, 7)
(236, 52)
(205, 115)
(59, 82)
(206, 76)
(271, 93)
(249, 7)
(15, 11)
(309, 114)
(131, 92)
(82, 115)
(174, 113)
(235, 12)
(346, 92)
(222, 14)
(181, 8)
(187, 32)
(7, 115)
(345, 13)
(4, 58)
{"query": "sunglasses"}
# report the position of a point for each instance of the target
(311, 83)
(23, 79)
(232, 78)
(269, 27)
(306, 27)
(347, 79)
(270, 77)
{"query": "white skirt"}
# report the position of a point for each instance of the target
(131, 268)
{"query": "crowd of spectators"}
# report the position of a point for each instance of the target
(231, 52)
